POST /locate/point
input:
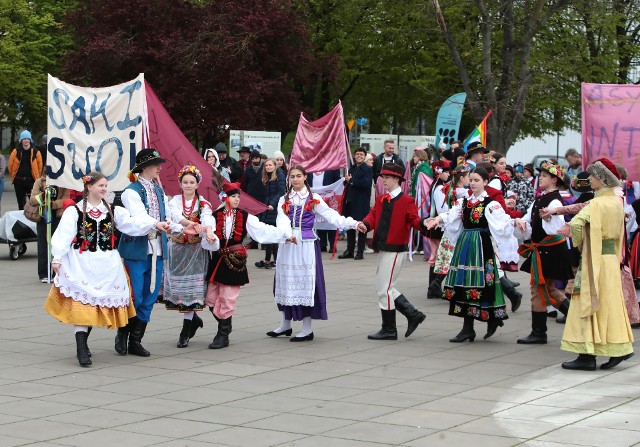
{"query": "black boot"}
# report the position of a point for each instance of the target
(584, 362)
(89, 332)
(122, 338)
(221, 340)
(359, 255)
(414, 316)
(492, 326)
(564, 308)
(435, 287)
(136, 333)
(388, 330)
(346, 255)
(195, 324)
(511, 283)
(538, 334)
(431, 269)
(82, 350)
(615, 361)
(467, 332)
(514, 296)
(183, 340)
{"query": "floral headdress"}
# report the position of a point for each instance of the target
(87, 179)
(553, 169)
(581, 182)
(187, 169)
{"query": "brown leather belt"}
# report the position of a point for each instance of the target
(231, 249)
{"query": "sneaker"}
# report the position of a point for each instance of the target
(270, 265)
(368, 251)
(44, 280)
(261, 264)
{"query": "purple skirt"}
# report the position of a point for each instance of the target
(319, 309)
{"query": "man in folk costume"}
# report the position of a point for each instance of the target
(597, 323)
(392, 218)
(145, 200)
(475, 154)
(228, 265)
(548, 255)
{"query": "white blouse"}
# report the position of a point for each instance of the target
(549, 226)
(175, 211)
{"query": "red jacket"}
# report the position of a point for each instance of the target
(496, 195)
(392, 221)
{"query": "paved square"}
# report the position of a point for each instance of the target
(338, 390)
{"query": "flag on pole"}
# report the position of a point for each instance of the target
(321, 145)
(479, 134)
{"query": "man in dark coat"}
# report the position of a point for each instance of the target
(387, 156)
(245, 160)
(252, 180)
(357, 199)
(315, 180)
(228, 163)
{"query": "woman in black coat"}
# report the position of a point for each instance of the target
(273, 180)
(357, 202)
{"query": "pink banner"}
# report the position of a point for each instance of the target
(173, 146)
(610, 118)
(321, 145)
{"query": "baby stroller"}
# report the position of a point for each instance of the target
(16, 230)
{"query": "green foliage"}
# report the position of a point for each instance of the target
(31, 43)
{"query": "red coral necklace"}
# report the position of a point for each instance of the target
(188, 210)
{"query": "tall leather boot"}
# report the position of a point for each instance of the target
(584, 362)
(82, 350)
(183, 340)
(538, 334)
(388, 330)
(89, 333)
(513, 284)
(413, 315)
(221, 340)
(136, 333)
(122, 338)
(435, 287)
(196, 322)
(514, 296)
(467, 332)
(564, 308)
(431, 269)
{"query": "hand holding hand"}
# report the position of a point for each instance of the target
(546, 213)
(431, 223)
(56, 268)
(361, 227)
(521, 224)
(565, 231)
(293, 240)
(211, 236)
(163, 227)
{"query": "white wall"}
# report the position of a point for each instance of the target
(526, 149)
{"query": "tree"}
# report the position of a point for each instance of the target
(214, 64)
(31, 43)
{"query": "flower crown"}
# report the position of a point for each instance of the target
(552, 169)
(464, 167)
(190, 170)
(580, 183)
(87, 179)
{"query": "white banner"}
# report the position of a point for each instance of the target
(264, 142)
(332, 195)
(94, 129)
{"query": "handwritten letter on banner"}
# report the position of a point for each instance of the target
(94, 129)
(611, 125)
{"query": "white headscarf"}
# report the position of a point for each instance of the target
(215, 154)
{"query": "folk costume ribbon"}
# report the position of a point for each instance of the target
(537, 278)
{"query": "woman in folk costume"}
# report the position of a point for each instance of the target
(184, 279)
(228, 265)
(299, 287)
(435, 235)
(597, 323)
(444, 199)
(475, 224)
(91, 287)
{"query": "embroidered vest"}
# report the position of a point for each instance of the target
(239, 231)
(537, 232)
(98, 235)
(303, 219)
(136, 247)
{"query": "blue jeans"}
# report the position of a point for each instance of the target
(140, 277)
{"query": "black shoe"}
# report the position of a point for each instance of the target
(512, 294)
(122, 339)
(82, 350)
(635, 326)
(346, 255)
(221, 340)
(323, 249)
(492, 327)
(615, 361)
(413, 315)
(584, 362)
(195, 324)
(308, 337)
(288, 333)
(358, 256)
(435, 287)
(552, 314)
(183, 340)
(261, 264)
(562, 319)
(388, 330)
(136, 333)
(538, 334)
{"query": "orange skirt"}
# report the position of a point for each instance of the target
(73, 312)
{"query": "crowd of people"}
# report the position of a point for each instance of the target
(470, 214)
